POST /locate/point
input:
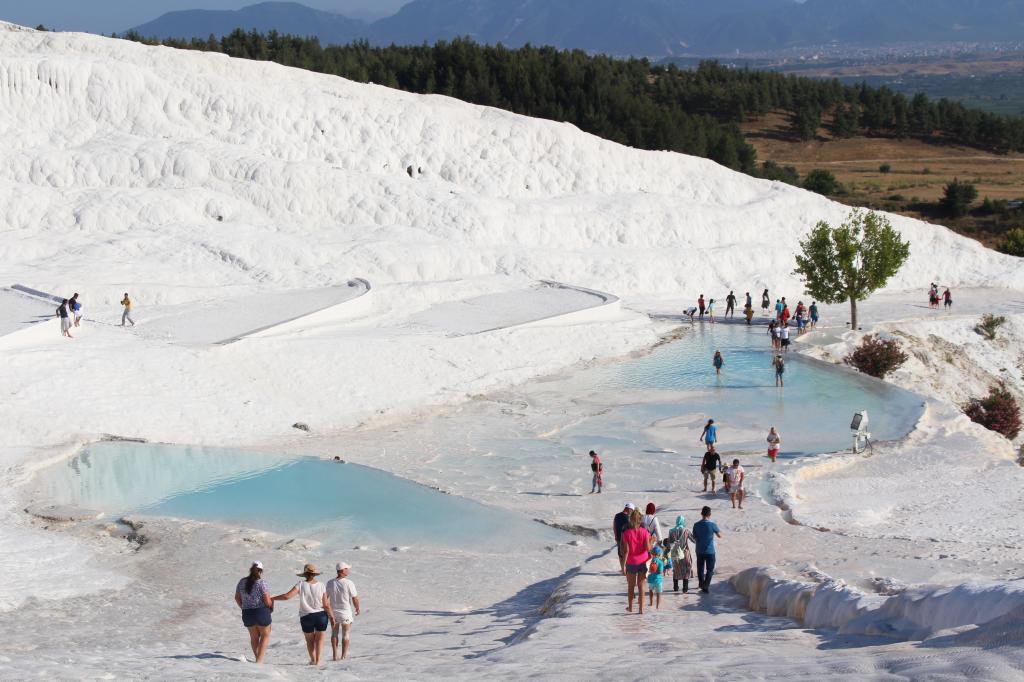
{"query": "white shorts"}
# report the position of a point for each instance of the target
(343, 618)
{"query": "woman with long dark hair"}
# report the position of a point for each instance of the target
(252, 597)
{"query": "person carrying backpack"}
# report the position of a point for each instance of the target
(680, 539)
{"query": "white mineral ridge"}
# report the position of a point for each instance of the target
(179, 171)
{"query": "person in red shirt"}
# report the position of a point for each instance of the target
(785, 315)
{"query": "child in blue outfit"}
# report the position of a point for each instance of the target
(655, 571)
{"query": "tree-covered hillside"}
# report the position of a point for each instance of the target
(631, 101)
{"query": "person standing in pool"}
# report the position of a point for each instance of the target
(709, 467)
(786, 314)
(619, 525)
(780, 369)
(718, 362)
(710, 434)
(766, 301)
(679, 539)
(747, 301)
(748, 312)
(947, 299)
(344, 599)
(711, 311)
(730, 305)
(700, 306)
(65, 320)
(813, 310)
(737, 477)
(598, 470)
(314, 611)
(774, 442)
(252, 597)
(778, 309)
(704, 533)
(690, 312)
(127, 314)
(635, 551)
(784, 337)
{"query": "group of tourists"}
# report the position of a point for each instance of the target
(335, 603)
(647, 555)
(933, 297)
(71, 308)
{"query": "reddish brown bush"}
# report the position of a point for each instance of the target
(998, 411)
(876, 356)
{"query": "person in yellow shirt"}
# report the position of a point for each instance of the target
(127, 314)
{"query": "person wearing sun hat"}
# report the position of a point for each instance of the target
(314, 610)
(252, 597)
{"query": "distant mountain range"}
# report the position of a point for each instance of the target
(630, 27)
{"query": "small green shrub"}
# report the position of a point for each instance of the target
(876, 357)
(989, 324)
(998, 411)
(1013, 242)
(884, 168)
(822, 182)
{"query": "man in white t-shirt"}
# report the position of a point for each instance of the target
(343, 596)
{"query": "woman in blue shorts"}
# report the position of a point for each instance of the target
(314, 611)
(252, 597)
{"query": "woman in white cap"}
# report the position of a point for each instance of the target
(314, 610)
(252, 597)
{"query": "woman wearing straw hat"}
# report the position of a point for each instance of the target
(252, 597)
(314, 610)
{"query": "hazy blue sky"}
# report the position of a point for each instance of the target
(106, 16)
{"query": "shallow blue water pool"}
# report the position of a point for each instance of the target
(339, 504)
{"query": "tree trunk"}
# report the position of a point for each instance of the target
(853, 313)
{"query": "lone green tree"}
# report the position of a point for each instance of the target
(850, 262)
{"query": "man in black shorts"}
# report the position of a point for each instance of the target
(730, 305)
(709, 467)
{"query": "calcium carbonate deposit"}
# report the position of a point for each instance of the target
(236, 200)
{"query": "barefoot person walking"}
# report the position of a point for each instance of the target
(636, 547)
(597, 468)
(341, 592)
(709, 467)
(314, 611)
(718, 361)
(252, 597)
(710, 434)
(127, 314)
(679, 552)
(737, 476)
(780, 369)
(704, 533)
(619, 525)
(65, 320)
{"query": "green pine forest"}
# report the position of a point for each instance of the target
(632, 101)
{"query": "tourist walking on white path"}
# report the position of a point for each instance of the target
(344, 599)
(252, 597)
(704, 533)
(737, 478)
(679, 552)
(65, 320)
(314, 611)
(127, 314)
(635, 548)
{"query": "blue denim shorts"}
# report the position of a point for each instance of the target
(259, 616)
(314, 622)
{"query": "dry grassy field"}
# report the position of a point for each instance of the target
(918, 173)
